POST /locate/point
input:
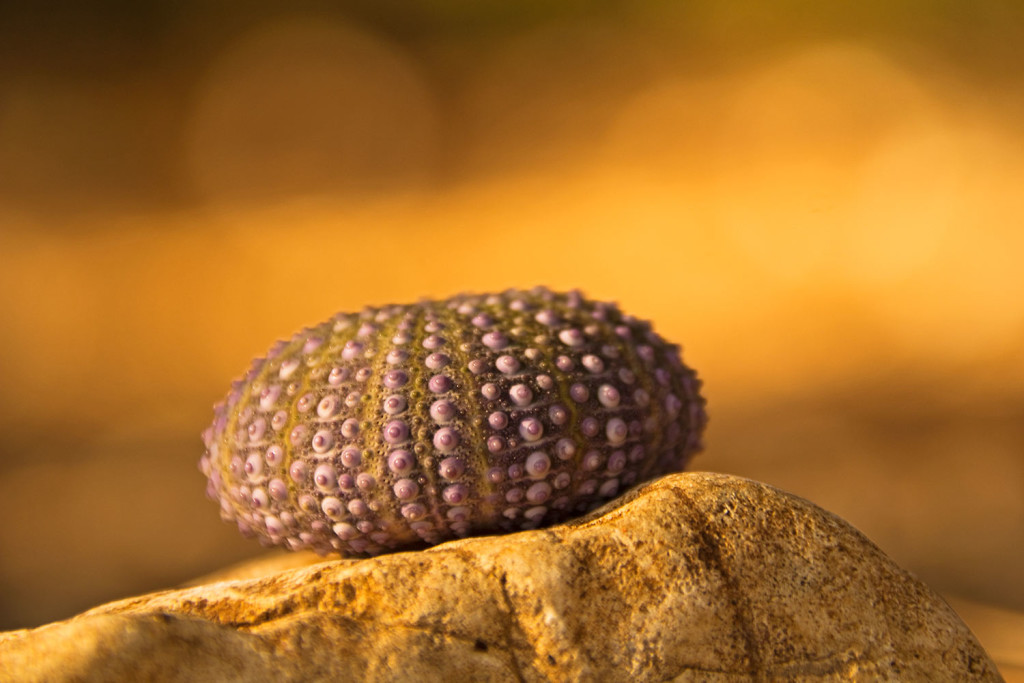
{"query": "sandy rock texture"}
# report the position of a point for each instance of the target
(692, 577)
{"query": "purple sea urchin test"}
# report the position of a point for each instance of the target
(403, 425)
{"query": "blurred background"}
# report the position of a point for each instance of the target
(823, 203)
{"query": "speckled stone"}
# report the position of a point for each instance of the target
(692, 577)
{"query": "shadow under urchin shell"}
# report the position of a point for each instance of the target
(414, 424)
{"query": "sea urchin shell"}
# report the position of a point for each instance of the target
(405, 425)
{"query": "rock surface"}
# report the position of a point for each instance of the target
(691, 577)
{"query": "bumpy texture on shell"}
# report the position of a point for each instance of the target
(405, 425)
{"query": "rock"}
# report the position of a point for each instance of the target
(691, 577)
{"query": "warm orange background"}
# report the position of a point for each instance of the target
(824, 207)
